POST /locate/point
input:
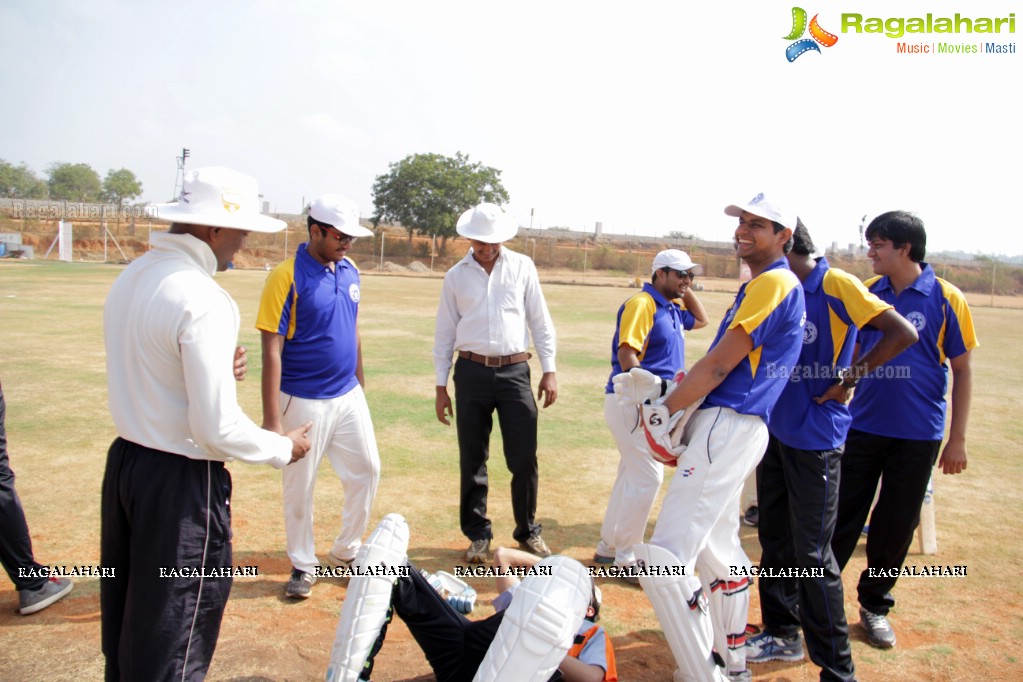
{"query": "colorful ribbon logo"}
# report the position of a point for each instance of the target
(818, 35)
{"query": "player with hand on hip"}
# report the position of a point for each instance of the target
(798, 477)
(650, 333)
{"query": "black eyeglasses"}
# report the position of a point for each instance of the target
(341, 237)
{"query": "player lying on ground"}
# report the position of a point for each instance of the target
(543, 630)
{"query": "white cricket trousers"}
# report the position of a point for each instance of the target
(698, 523)
(343, 431)
(635, 488)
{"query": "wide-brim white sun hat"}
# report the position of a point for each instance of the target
(764, 207)
(487, 223)
(339, 212)
(218, 197)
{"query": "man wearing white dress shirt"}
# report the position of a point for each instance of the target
(170, 334)
(490, 306)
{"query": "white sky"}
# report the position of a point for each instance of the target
(646, 116)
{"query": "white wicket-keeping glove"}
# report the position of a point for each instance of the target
(637, 386)
(665, 434)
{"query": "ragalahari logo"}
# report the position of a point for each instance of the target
(817, 35)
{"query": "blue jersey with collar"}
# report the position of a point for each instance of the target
(770, 309)
(837, 303)
(315, 309)
(656, 328)
(906, 397)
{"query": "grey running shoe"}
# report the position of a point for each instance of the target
(478, 551)
(534, 544)
(300, 586)
(879, 631)
(30, 601)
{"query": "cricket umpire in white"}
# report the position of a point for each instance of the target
(172, 362)
(490, 305)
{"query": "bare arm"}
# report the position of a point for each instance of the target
(273, 344)
(694, 306)
(711, 370)
(628, 357)
(897, 335)
(505, 558)
(953, 457)
(358, 357)
(575, 670)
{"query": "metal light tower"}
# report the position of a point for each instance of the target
(179, 179)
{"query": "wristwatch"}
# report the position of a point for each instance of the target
(847, 378)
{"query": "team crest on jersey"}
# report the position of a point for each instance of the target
(354, 293)
(686, 473)
(917, 319)
(809, 332)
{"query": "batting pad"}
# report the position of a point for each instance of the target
(729, 606)
(682, 613)
(367, 599)
(539, 625)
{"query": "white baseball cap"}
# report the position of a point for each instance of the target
(487, 223)
(218, 197)
(765, 208)
(674, 259)
(339, 212)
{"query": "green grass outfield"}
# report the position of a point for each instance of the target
(58, 427)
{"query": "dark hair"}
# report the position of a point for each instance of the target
(802, 245)
(595, 600)
(778, 227)
(310, 221)
(900, 228)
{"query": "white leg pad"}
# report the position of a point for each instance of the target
(539, 625)
(729, 608)
(681, 609)
(367, 599)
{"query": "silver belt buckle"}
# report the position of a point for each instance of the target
(491, 362)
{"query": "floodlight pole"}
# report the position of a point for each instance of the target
(179, 179)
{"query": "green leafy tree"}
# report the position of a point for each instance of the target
(427, 192)
(19, 182)
(74, 182)
(120, 185)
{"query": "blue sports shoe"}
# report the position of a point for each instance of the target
(766, 647)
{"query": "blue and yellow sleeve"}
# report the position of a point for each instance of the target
(276, 305)
(958, 334)
(765, 294)
(636, 322)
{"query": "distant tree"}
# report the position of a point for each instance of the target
(679, 235)
(120, 185)
(427, 192)
(74, 182)
(19, 182)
